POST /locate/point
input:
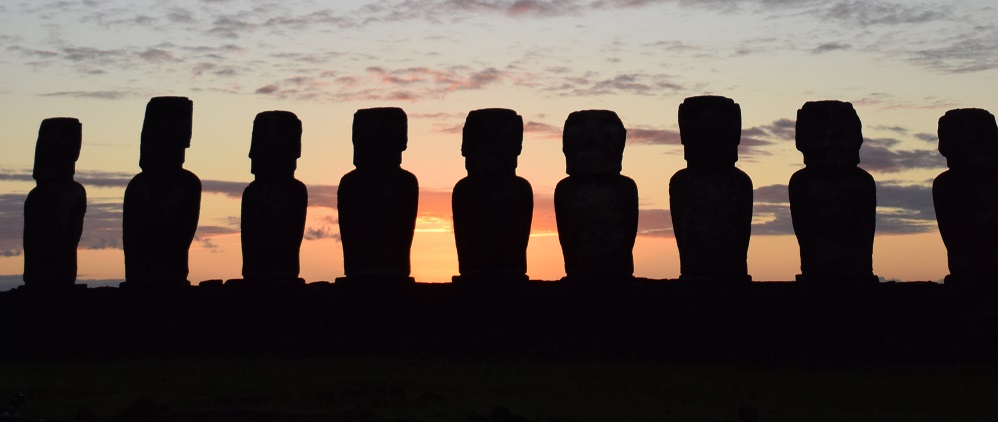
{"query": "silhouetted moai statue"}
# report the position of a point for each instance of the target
(377, 201)
(54, 209)
(596, 207)
(492, 207)
(163, 202)
(833, 202)
(966, 195)
(274, 204)
(711, 199)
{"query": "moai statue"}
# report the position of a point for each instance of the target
(377, 201)
(596, 207)
(54, 209)
(711, 199)
(833, 202)
(492, 207)
(274, 204)
(162, 202)
(966, 195)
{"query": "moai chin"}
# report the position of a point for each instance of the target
(595, 206)
(163, 202)
(272, 221)
(833, 203)
(54, 209)
(492, 206)
(377, 202)
(711, 200)
(966, 196)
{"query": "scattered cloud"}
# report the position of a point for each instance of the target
(591, 85)
(902, 208)
(880, 155)
(872, 13)
(927, 137)
(267, 89)
(966, 55)
(324, 232)
(831, 46)
(652, 136)
(103, 95)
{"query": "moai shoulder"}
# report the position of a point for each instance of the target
(832, 201)
(492, 206)
(966, 195)
(54, 209)
(711, 199)
(595, 206)
(163, 202)
(377, 202)
(274, 204)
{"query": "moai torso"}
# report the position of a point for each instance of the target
(377, 201)
(966, 195)
(595, 206)
(54, 209)
(711, 199)
(163, 202)
(833, 202)
(274, 205)
(492, 206)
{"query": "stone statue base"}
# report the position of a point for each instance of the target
(50, 289)
(268, 283)
(597, 280)
(717, 280)
(974, 281)
(838, 280)
(152, 283)
(375, 281)
(490, 280)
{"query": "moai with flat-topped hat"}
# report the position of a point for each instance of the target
(595, 206)
(492, 207)
(272, 222)
(163, 202)
(833, 203)
(54, 209)
(966, 196)
(377, 202)
(711, 199)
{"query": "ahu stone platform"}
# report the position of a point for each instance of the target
(756, 323)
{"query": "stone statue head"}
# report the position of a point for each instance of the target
(379, 137)
(166, 133)
(969, 136)
(593, 142)
(57, 149)
(829, 132)
(491, 140)
(276, 143)
(710, 128)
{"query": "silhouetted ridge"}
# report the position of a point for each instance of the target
(492, 206)
(833, 203)
(711, 199)
(377, 202)
(596, 207)
(966, 196)
(54, 209)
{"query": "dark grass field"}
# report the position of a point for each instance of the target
(655, 351)
(437, 390)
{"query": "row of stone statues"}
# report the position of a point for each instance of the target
(832, 201)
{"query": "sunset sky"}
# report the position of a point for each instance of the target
(902, 65)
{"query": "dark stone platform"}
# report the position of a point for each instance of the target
(761, 323)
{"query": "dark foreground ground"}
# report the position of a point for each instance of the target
(544, 352)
